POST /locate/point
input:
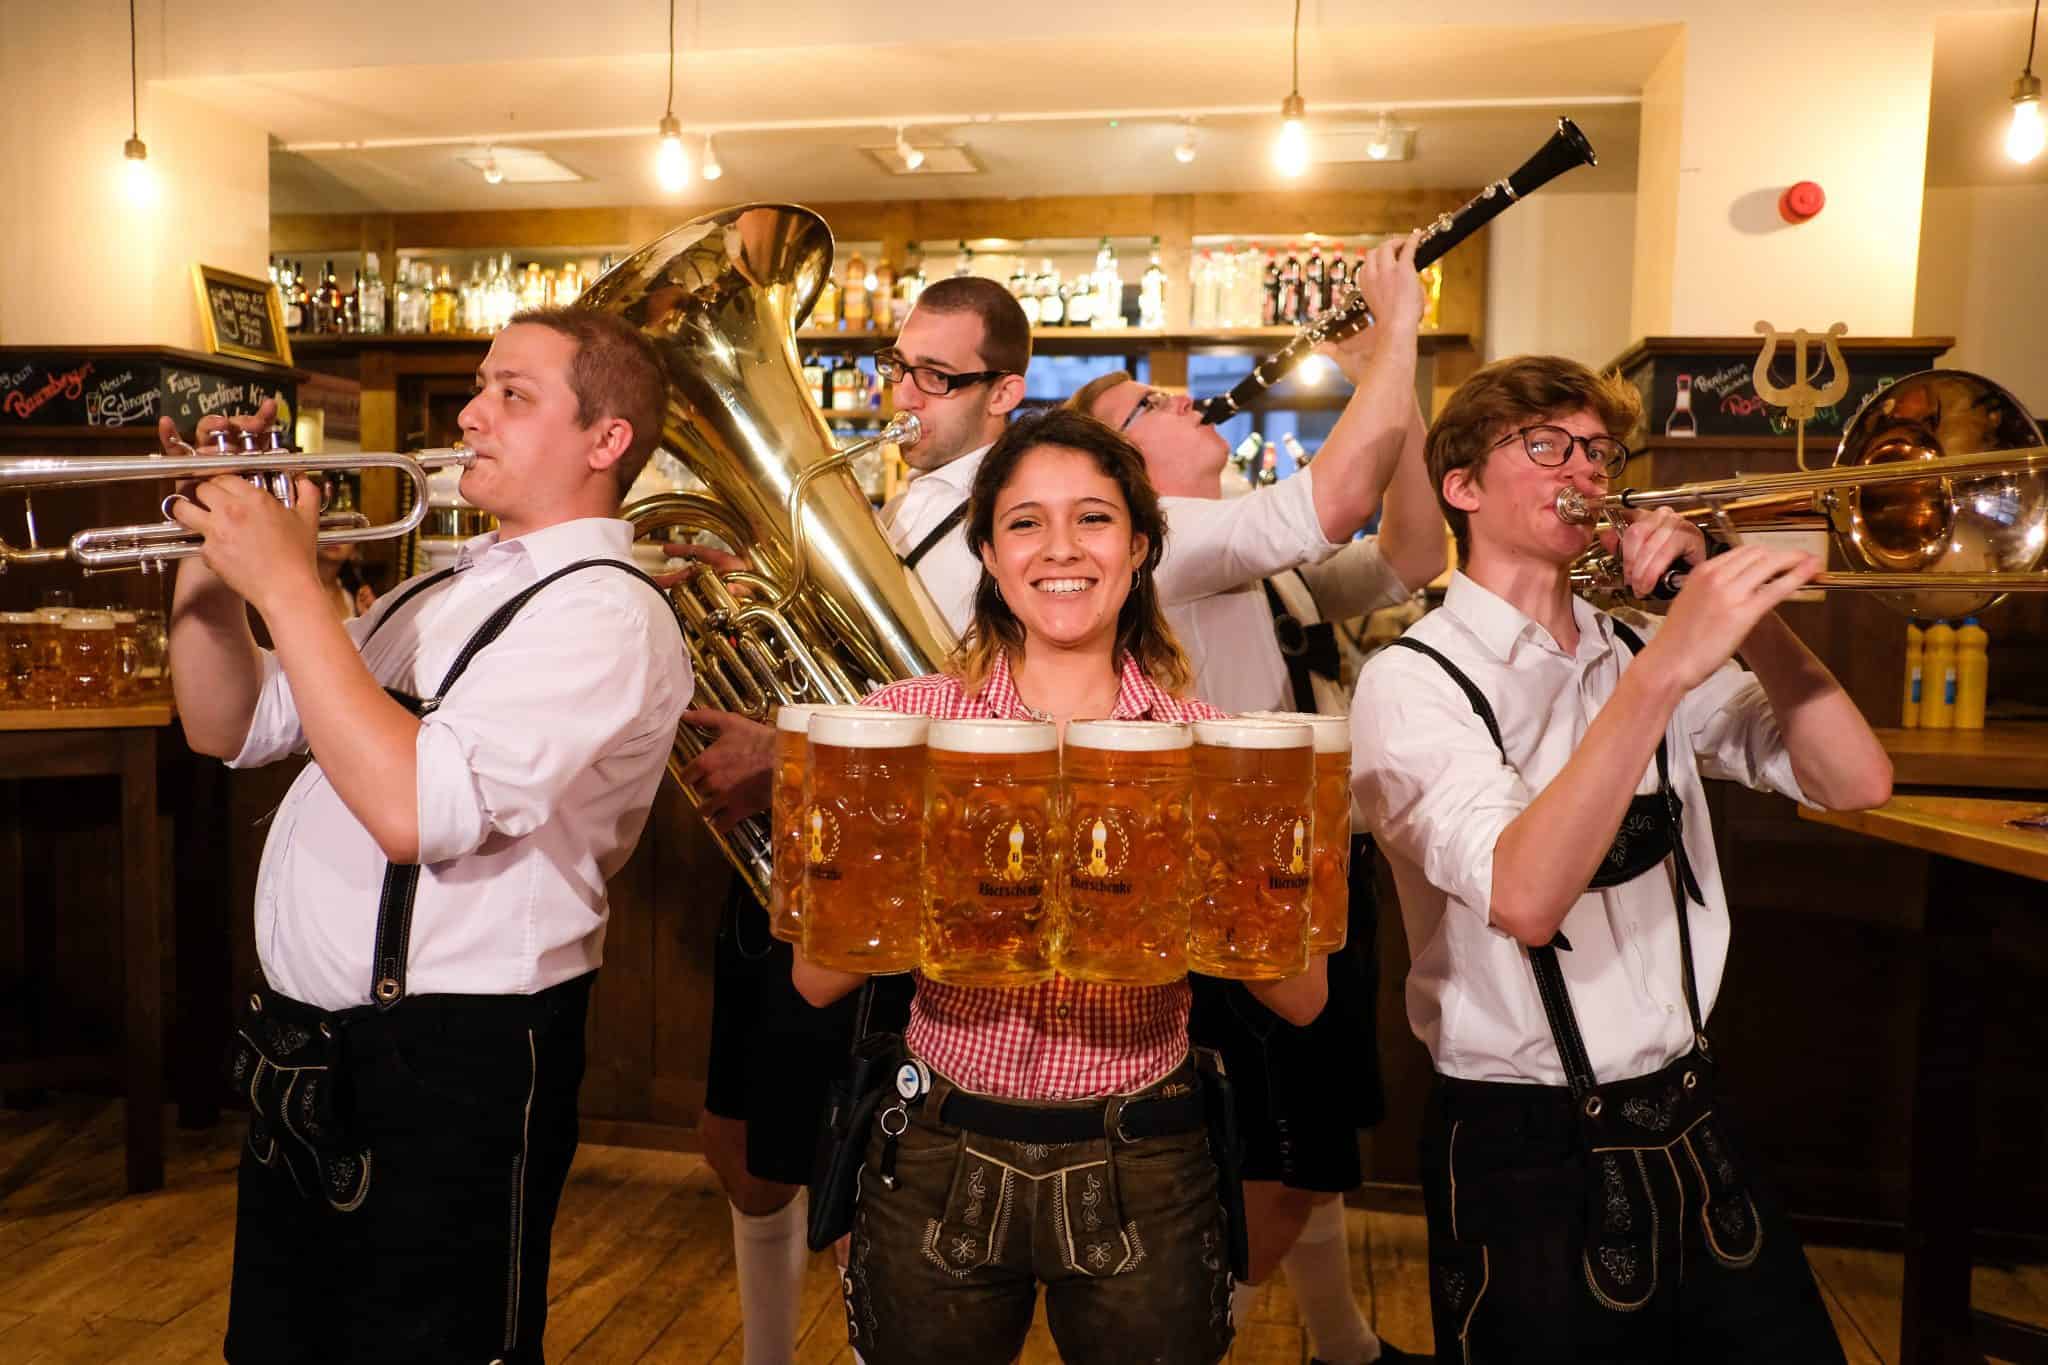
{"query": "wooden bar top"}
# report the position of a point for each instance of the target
(2012, 755)
(1972, 829)
(144, 714)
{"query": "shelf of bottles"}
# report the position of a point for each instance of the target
(462, 294)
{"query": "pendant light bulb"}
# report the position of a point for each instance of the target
(2027, 134)
(1290, 149)
(1185, 152)
(671, 161)
(493, 173)
(911, 157)
(1382, 144)
(711, 170)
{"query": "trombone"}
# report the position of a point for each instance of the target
(268, 463)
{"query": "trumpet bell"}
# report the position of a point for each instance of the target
(1995, 522)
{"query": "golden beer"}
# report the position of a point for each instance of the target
(785, 818)
(88, 644)
(15, 628)
(1329, 892)
(1124, 917)
(863, 840)
(1254, 822)
(127, 657)
(992, 836)
(45, 682)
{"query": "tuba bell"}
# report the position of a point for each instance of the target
(827, 612)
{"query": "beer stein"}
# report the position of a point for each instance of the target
(1329, 892)
(127, 657)
(863, 840)
(1253, 821)
(785, 812)
(88, 644)
(991, 851)
(1124, 909)
(15, 627)
(45, 684)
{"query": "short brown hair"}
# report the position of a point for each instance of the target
(1511, 393)
(1090, 393)
(1005, 331)
(615, 373)
(1141, 629)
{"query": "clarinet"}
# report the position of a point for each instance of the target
(1566, 149)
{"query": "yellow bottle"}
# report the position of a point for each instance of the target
(1910, 717)
(1938, 678)
(1972, 667)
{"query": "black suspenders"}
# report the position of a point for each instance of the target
(401, 880)
(934, 536)
(1662, 807)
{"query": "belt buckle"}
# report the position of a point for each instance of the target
(1122, 1135)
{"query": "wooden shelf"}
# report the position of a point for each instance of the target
(2010, 756)
(143, 715)
(1967, 828)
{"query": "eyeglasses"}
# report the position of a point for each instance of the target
(1150, 401)
(1551, 447)
(938, 383)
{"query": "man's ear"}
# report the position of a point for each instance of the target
(610, 440)
(1005, 394)
(1461, 489)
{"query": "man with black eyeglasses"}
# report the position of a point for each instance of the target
(1531, 768)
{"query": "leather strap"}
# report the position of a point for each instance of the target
(934, 536)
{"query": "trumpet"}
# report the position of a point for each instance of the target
(1566, 149)
(265, 461)
(1947, 534)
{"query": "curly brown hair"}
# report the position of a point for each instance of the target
(1141, 629)
(1513, 393)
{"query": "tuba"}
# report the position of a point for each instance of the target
(827, 612)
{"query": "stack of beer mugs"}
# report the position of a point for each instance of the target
(59, 656)
(981, 853)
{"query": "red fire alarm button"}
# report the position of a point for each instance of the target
(1801, 202)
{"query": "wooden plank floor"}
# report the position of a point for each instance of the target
(642, 1268)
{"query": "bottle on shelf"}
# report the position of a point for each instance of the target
(1938, 678)
(1107, 309)
(825, 312)
(1315, 285)
(288, 290)
(533, 287)
(1336, 279)
(1052, 306)
(1081, 302)
(404, 300)
(444, 313)
(1024, 289)
(964, 263)
(322, 319)
(1269, 307)
(569, 285)
(1681, 422)
(370, 315)
(913, 279)
(351, 305)
(882, 299)
(1152, 292)
(1916, 640)
(1289, 312)
(1972, 673)
(1290, 443)
(853, 295)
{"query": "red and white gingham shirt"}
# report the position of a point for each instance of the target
(1059, 1039)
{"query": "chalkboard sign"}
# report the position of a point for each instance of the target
(241, 316)
(111, 387)
(1706, 386)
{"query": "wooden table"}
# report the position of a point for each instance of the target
(122, 743)
(2008, 756)
(1980, 867)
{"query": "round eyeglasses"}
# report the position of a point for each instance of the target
(1551, 446)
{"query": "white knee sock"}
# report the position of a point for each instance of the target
(771, 1257)
(1318, 1268)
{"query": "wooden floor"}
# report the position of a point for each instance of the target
(643, 1262)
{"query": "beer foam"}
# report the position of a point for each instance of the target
(1129, 736)
(89, 620)
(797, 715)
(868, 727)
(994, 736)
(1333, 733)
(19, 618)
(1241, 732)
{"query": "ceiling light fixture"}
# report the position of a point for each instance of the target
(141, 184)
(492, 174)
(1382, 144)
(1290, 149)
(912, 157)
(2025, 138)
(710, 169)
(1185, 152)
(671, 162)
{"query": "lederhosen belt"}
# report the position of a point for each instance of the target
(1665, 1117)
(285, 1058)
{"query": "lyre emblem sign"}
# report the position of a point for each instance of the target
(1801, 399)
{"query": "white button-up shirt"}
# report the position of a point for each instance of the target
(535, 777)
(949, 570)
(1434, 791)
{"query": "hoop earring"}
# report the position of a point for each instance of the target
(1134, 580)
(998, 591)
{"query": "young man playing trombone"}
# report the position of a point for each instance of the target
(1532, 769)
(431, 907)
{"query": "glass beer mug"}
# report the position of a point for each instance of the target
(1253, 822)
(1329, 891)
(863, 840)
(88, 652)
(1124, 917)
(785, 817)
(15, 628)
(45, 682)
(991, 851)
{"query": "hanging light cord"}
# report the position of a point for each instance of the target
(670, 106)
(134, 97)
(1297, 43)
(2032, 33)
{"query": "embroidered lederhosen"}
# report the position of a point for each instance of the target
(1648, 1137)
(284, 1058)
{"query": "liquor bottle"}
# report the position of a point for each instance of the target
(1681, 422)
(882, 300)
(964, 263)
(533, 287)
(472, 311)
(569, 285)
(403, 302)
(1288, 312)
(1269, 308)
(1108, 307)
(1052, 305)
(1290, 443)
(445, 308)
(1337, 284)
(1152, 292)
(288, 290)
(1972, 670)
(853, 295)
(913, 279)
(1315, 285)
(1025, 290)
(1081, 303)
(351, 305)
(370, 298)
(323, 319)
(1915, 661)
(825, 312)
